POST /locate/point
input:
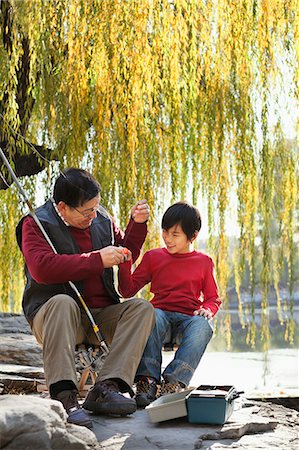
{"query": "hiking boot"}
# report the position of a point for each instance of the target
(146, 389)
(169, 388)
(76, 415)
(104, 398)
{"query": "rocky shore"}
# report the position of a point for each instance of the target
(28, 421)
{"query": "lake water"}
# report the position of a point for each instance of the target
(272, 373)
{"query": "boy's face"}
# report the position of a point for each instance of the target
(176, 241)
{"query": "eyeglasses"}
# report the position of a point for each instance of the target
(88, 212)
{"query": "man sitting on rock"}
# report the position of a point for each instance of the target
(88, 244)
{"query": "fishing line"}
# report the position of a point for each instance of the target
(72, 285)
(101, 209)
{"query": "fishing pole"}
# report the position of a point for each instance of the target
(95, 327)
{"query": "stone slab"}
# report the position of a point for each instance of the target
(20, 349)
(257, 426)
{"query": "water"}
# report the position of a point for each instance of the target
(274, 373)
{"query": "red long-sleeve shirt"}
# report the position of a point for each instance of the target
(180, 282)
(47, 267)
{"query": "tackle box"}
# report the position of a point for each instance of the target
(211, 404)
(204, 405)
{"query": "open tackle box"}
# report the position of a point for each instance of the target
(206, 404)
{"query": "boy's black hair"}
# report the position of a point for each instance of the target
(75, 187)
(184, 214)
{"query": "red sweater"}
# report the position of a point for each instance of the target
(48, 268)
(179, 282)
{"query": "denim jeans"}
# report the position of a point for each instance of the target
(192, 332)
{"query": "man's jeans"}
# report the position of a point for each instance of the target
(193, 333)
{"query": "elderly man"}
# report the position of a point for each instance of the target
(88, 245)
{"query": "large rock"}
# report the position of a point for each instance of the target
(14, 323)
(20, 349)
(30, 422)
(18, 346)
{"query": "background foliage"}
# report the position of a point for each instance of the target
(162, 99)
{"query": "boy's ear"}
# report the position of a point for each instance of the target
(194, 236)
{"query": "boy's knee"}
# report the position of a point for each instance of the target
(203, 326)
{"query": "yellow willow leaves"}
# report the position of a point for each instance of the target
(11, 283)
(286, 253)
(167, 100)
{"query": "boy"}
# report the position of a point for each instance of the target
(185, 299)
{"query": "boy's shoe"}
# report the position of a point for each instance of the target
(169, 388)
(105, 398)
(76, 415)
(146, 390)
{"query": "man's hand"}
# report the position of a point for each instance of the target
(127, 254)
(140, 211)
(112, 256)
(206, 313)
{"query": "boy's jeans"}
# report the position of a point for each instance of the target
(193, 333)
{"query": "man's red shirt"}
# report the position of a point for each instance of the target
(47, 267)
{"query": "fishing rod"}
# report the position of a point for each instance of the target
(95, 327)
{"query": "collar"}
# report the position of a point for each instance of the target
(58, 213)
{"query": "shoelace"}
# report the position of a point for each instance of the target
(142, 386)
(103, 388)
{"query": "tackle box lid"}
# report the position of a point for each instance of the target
(210, 391)
(169, 406)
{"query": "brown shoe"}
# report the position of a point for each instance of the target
(169, 388)
(146, 390)
(75, 413)
(105, 398)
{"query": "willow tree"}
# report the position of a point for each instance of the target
(163, 99)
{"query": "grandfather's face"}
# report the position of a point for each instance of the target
(82, 216)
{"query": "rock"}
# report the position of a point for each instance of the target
(22, 371)
(18, 345)
(20, 349)
(20, 356)
(276, 426)
(256, 426)
(30, 422)
(14, 323)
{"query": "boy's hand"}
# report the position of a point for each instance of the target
(206, 313)
(140, 211)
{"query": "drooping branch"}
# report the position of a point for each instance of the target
(25, 162)
(24, 165)
(163, 100)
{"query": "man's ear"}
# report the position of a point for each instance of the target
(61, 206)
(194, 236)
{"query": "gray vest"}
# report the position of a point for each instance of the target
(35, 294)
